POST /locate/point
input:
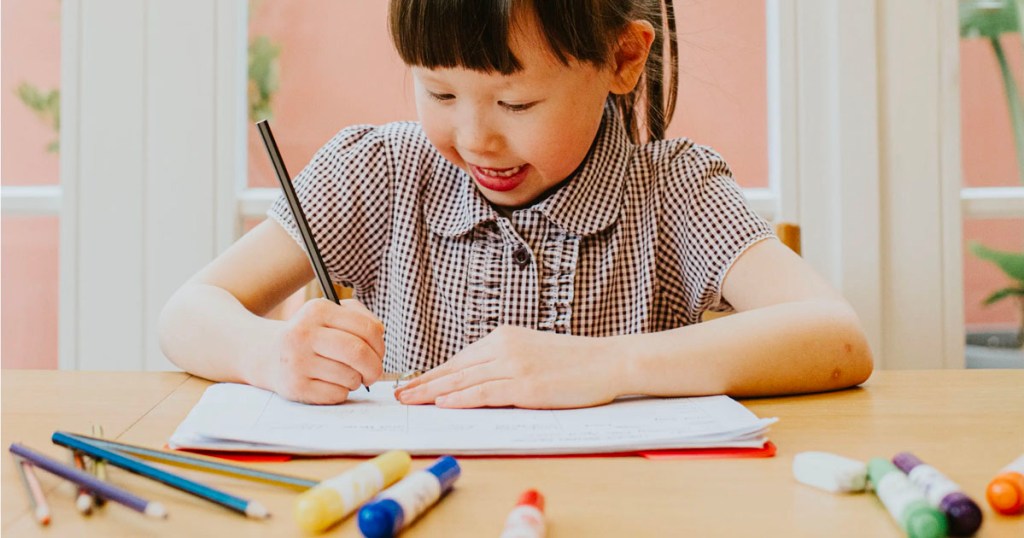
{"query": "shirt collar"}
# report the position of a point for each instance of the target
(587, 203)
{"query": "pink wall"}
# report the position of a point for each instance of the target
(29, 51)
(338, 68)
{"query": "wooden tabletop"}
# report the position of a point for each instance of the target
(967, 423)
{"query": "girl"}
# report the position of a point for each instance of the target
(531, 241)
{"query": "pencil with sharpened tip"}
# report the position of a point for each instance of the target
(106, 489)
(99, 467)
(40, 508)
(84, 499)
(300, 217)
(200, 463)
(246, 507)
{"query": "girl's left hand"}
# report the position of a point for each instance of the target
(516, 366)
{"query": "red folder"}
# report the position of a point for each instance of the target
(766, 451)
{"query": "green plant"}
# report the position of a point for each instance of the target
(263, 77)
(990, 19)
(46, 105)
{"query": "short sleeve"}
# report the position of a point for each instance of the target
(705, 224)
(345, 194)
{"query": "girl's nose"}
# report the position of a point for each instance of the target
(477, 136)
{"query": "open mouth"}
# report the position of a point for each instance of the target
(500, 179)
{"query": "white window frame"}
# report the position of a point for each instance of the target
(864, 116)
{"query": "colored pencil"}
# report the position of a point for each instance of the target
(201, 463)
(84, 500)
(319, 267)
(40, 509)
(99, 467)
(116, 494)
(249, 508)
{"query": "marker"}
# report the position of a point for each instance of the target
(526, 520)
(830, 472)
(400, 505)
(331, 500)
(904, 501)
(962, 514)
(1005, 493)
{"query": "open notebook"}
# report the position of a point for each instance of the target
(233, 417)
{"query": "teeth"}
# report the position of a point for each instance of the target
(501, 173)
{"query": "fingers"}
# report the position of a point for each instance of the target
(319, 392)
(354, 318)
(453, 381)
(497, 393)
(349, 351)
(336, 373)
(471, 355)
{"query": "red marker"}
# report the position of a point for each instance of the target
(527, 519)
(1006, 491)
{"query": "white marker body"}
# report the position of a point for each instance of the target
(524, 521)
(415, 493)
(897, 492)
(356, 485)
(933, 483)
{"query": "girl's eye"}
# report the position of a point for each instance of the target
(441, 96)
(516, 107)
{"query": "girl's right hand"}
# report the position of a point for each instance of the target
(326, 351)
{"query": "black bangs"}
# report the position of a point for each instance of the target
(474, 34)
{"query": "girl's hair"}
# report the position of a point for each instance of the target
(474, 34)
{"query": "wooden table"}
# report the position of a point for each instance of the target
(968, 423)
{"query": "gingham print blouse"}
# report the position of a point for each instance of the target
(638, 240)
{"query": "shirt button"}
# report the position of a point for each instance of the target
(521, 256)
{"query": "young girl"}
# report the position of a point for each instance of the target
(529, 242)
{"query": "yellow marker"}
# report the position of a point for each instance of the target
(333, 499)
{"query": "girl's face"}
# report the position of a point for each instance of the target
(516, 135)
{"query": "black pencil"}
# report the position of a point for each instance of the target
(300, 217)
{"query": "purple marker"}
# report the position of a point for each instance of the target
(962, 513)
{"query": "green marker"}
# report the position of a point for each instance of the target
(904, 501)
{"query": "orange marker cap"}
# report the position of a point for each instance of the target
(533, 498)
(1005, 493)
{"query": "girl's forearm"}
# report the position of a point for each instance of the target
(206, 331)
(788, 348)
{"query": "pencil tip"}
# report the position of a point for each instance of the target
(256, 510)
(84, 503)
(155, 509)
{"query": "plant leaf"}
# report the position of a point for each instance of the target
(988, 18)
(1012, 263)
(1002, 294)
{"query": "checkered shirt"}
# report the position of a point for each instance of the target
(638, 240)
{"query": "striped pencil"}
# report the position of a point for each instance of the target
(116, 494)
(249, 508)
(84, 500)
(99, 467)
(202, 463)
(40, 508)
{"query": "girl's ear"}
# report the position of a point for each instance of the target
(631, 55)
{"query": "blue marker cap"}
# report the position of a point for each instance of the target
(381, 519)
(447, 470)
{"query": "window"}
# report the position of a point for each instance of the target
(30, 182)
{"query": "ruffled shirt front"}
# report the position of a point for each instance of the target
(638, 240)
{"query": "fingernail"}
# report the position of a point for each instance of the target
(440, 400)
